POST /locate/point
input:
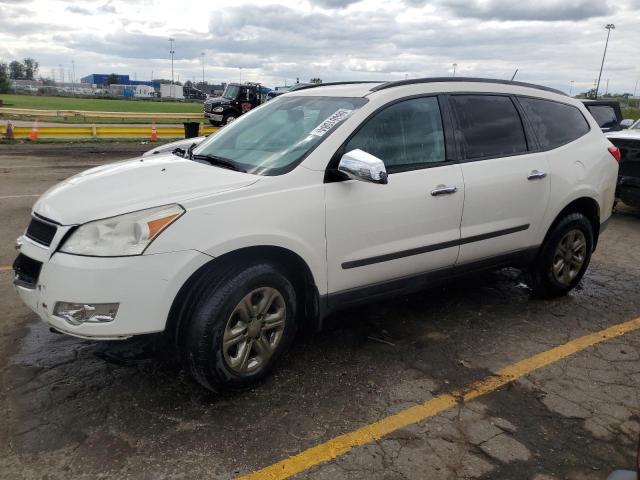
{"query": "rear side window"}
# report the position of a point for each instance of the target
(554, 123)
(489, 126)
(604, 115)
(406, 135)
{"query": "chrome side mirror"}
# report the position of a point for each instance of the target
(626, 123)
(360, 165)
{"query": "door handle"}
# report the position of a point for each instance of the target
(443, 190)
(536, 175)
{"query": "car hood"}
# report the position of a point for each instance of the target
(136, 184)
(627, 134)
(218, 101)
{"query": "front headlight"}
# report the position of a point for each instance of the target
(128, 234)
(218, 110)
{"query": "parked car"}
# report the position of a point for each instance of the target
(628, 141)
(237, 99)
(607, 113)
(326, 198)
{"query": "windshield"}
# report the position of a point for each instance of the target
(273, 138)
(231, 92)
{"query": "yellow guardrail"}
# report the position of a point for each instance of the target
(100, 131)
(88, 113)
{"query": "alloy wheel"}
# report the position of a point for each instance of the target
(569, 257)
(254, 330)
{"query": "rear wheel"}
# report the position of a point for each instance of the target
(563, 258)
(240, 327)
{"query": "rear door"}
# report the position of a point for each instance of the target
(506, 184)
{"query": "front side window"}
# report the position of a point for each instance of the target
(554, 123)
(604, 115)
(488, 126)
(405, 135)
(273, 138)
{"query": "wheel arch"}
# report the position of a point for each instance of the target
(292, 264)
(587, 206)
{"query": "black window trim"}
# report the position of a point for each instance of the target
(528, 135)
(538, 145)
(332, 174)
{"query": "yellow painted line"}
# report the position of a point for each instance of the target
(20, 196)
(5, 268)
(342, 444)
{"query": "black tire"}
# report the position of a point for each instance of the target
(215, 124)
(230, 118)
(213, 306)
(542, 279)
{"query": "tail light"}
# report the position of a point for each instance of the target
(615, 152)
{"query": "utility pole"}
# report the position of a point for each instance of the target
(455, 65)
(514, 74)
(609, 27)
(570, 87)
(635, 89)
(171, 51)
(202, 56)
(606, 89)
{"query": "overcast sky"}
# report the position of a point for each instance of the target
(551, 42)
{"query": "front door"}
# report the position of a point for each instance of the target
(411, 225)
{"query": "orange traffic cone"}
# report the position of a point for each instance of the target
(9, 134)
(154, 132)
(33, 136)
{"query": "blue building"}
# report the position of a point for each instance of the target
(103, 78)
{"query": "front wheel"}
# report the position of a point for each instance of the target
(240, 327)
(228, 119)
(563, 258)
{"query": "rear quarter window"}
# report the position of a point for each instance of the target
(604, 115)
(554, 123)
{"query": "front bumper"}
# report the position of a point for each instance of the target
(144, 286)
(213, 116)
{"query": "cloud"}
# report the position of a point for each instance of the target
(540, 10)
(78, 10)
(107, 8)
(331, 4)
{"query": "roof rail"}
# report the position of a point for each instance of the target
(412, 81)
(314, 85)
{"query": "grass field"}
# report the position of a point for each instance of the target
(631, 113)
(97, 104)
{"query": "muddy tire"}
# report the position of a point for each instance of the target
(563, 258)
(239, 327)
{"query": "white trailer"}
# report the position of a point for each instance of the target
(171, 91)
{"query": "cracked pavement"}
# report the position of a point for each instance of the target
(72, 408)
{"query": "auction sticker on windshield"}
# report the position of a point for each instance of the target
(335, 118)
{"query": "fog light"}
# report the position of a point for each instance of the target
(77, 313)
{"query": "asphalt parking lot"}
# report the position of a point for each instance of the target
(71, 408)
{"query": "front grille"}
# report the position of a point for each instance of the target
(27, 271)
(41, 231)
(207, 107)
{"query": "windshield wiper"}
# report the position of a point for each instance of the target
(220, 162)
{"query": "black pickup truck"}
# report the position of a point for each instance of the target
(628, 141)
(237, 98)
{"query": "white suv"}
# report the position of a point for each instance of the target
(322, 198)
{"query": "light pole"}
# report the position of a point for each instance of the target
(455, 65)
(73, 76)
(202, 56)
(609, 27)
(570, 87)
(171, 51)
